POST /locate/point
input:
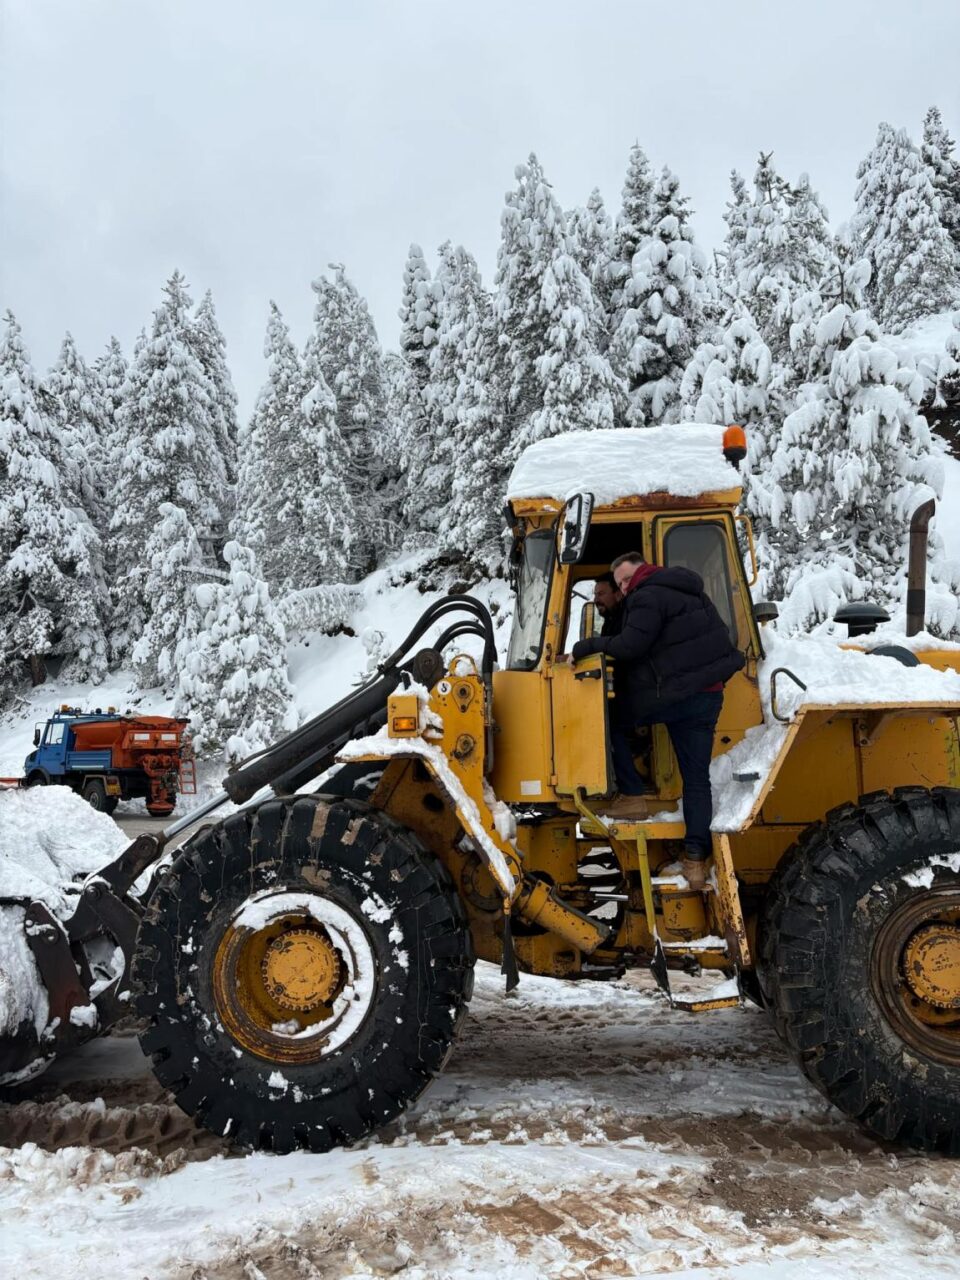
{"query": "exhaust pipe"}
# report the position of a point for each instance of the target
(917, 567)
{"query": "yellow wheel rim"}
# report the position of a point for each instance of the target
(915, 972)
(292, 981)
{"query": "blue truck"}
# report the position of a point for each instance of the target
(107, 757)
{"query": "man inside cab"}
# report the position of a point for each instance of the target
(673, 654)
(609, 604)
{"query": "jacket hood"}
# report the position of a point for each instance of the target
(678, 578)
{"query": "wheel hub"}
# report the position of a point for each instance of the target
(931, 965)
(301, 970)
(915, 972)
(294, 976)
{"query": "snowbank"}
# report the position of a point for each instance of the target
(684, 460)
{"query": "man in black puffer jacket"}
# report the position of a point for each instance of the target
(673, 655)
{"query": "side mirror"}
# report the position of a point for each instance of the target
(576, 526)
(588, 621)
(36, 737)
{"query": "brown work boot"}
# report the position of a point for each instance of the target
(694, 871)
(624, 806)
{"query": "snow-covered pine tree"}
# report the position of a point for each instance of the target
(632, 227)
(76, 408)
(556, 380)
(811, 243)
(464, 307)
(945, 410)
(418, 422)
(898, 230)
(350, 359)
(591, 233)
(786, 251)
(853, 462)
(294, 505)
(259, 450)
(49, 550)
(729, 381)
(662, 320)
(174, 563)
(233, 681)
(211, 348)
(471, 531)
(937, 153)
(171, 455)
(112, 371)
(419, 305)
(314, 516)
(736, 381)
(736, 216)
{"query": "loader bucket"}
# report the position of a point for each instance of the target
(65, 952)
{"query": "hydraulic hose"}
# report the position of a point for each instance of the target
(305, 753)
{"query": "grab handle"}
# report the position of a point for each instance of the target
(782, 671)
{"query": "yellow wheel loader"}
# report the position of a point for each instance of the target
(301, 968)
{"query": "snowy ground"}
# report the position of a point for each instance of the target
(579, 1130)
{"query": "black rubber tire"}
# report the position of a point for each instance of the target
(825, 906)
(110, 807)
(414, 1018)
(95, 794)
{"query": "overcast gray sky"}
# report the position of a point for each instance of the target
(251, 144)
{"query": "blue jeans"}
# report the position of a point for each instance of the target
(691, 724)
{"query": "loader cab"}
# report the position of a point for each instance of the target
(553, 576)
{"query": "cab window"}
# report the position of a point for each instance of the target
(702, 547)
(533, 591)
(55, 735)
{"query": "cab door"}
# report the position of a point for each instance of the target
(581, 726)
(707, 544)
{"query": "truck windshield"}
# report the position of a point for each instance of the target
(530, 610)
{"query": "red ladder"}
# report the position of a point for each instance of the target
(188, 776)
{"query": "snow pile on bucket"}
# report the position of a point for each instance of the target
(50, 840)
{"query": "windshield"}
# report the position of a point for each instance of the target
(530, 611)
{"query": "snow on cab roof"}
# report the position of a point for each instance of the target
(685, 460)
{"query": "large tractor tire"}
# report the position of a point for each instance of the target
(304, 968)
(860, 962)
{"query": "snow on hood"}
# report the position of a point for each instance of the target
(832, 675)
(684, 460)
(50, 839)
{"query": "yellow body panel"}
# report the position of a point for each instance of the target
(523, 749)
(581, 733)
